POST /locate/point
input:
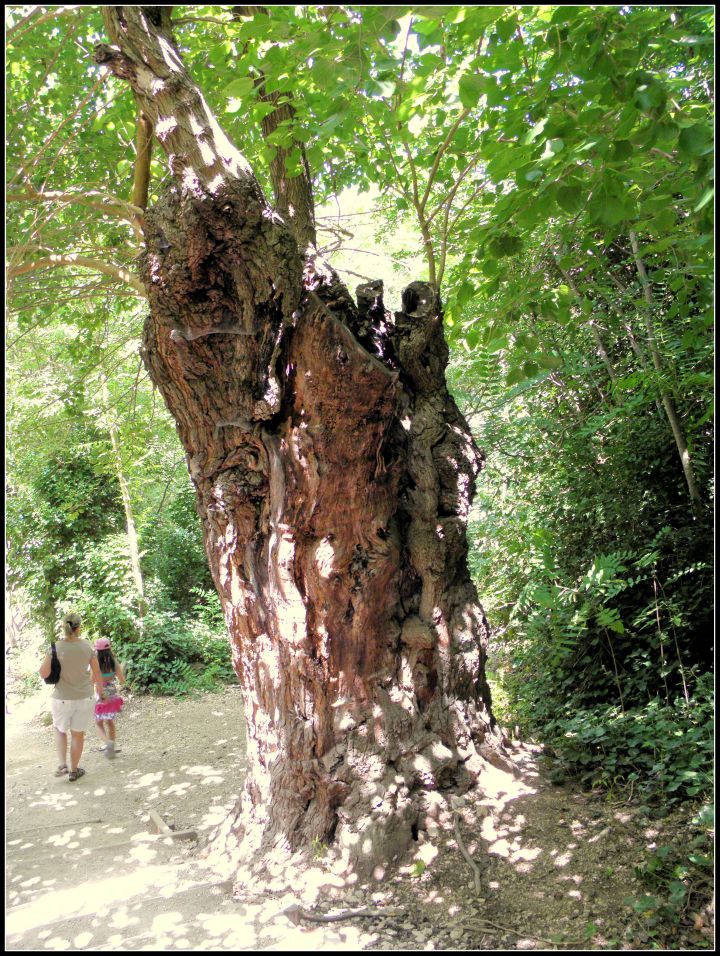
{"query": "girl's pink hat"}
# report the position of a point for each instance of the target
(102, 644)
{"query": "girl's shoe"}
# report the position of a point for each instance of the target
(104, 747)
(110, 750)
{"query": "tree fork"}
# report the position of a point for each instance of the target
(334, 476)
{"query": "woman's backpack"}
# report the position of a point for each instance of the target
(54, 675)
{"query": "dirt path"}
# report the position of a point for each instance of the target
(85, 872)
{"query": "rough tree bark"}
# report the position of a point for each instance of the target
(334, 474)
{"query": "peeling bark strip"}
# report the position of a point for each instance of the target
(334, 475)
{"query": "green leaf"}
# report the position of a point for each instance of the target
(471, 88)
(569, 198)
(695, 140)
(240, 87)
(427, 26)
(534, 132)
(547, 361)
(622, 149)
(506, 28)
(515, 376)
(382, 88)
(553, 147)
(505, 245)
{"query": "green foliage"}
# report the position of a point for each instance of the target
(177, 653)
(657, 752)
(66, 505)
(103, 592)
(678, 879)
(175, 555)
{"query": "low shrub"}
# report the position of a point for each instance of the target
(179, 654)
(657, 751)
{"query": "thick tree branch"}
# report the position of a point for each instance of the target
(72, 259)
(198, 150)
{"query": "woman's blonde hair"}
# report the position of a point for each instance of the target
(71, 622)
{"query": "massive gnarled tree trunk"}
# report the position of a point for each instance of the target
(334, 474)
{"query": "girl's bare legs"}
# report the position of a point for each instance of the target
(100, 724)
(61, 744)
(110, 745)
(77, 742)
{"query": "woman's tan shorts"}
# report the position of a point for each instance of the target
(77, 715)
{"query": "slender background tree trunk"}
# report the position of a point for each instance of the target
(130, 528)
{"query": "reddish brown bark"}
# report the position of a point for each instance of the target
(334, 475)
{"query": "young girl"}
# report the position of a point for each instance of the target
(109, 705)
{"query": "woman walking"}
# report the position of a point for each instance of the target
(72, 703)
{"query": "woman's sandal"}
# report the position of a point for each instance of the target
(74, 774)
(61, 770)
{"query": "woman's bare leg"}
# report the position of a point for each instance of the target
(77, 742)
(61, 744)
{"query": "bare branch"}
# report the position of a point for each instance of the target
(32, 20)
(439, 155)
(72, 259)
(108, 204)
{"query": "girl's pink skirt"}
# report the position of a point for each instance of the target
(107, 709)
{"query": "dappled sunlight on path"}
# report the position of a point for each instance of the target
(86, 872)
(86, 869)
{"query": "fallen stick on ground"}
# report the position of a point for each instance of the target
(463, 850)
(296, 913)
(161, 827)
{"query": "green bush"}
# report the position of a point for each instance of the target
(174, 551)
(178, 654)
(70, 505)
(659, 751)
(103, 591)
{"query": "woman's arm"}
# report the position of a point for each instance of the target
(97, 677)
(45, 666)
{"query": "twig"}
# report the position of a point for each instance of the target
(296, 913)
(463, 850)
(358, 275)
